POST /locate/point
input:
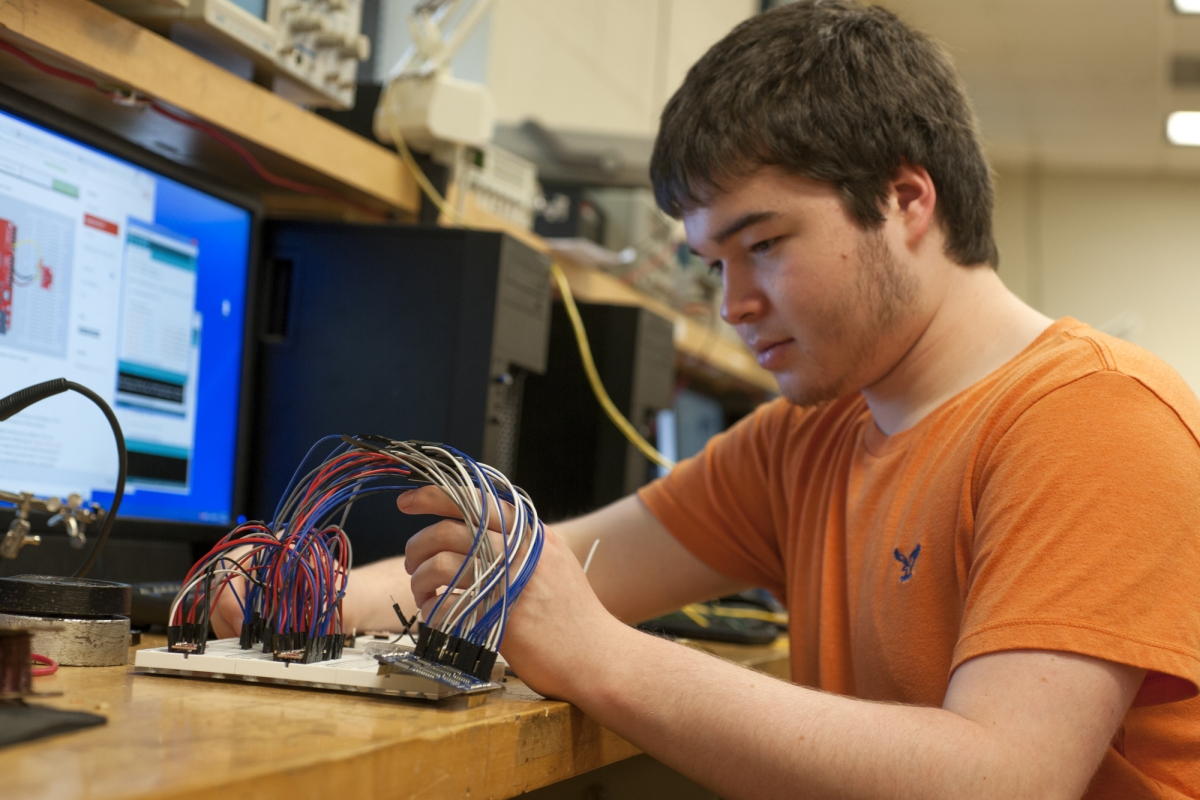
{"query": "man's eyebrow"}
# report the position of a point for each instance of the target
(744, 221)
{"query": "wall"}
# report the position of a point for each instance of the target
(1120, 252)
(604, 66)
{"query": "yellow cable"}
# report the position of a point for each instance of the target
(775, 617)
(585, 351)
(695, 614)
(418, 174)
(589, 366)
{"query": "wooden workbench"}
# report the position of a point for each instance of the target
(179, 738)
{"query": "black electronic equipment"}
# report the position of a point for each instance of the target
(150, 603)
(410, 332)
(569, 214)
(44, 595)
(572, 458)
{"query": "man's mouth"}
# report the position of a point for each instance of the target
(770, 352)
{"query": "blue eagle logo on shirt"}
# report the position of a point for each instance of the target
(908, 562)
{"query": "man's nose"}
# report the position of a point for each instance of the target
(743, 302)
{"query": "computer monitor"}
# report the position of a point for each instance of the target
(121, 274)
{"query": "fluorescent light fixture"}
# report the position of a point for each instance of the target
(1187, 6)
(1183, 127)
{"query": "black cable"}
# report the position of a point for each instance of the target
(24, 398)
(407, 623)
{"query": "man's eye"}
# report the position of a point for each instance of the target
(763, 246)
(714, 268)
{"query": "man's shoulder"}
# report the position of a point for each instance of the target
(1073, 356)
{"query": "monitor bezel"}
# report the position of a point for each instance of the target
(63, 124)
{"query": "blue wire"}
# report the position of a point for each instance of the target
(301, 471)
(479, 533)
(343, 487)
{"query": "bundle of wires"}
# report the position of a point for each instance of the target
(294, 570)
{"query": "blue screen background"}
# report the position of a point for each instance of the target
(223, 231)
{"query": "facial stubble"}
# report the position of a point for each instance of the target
(855, 328)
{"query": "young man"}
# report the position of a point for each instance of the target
(983, 522)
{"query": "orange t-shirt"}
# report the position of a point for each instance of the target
(1054, 505)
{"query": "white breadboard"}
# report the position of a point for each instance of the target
(356, 671)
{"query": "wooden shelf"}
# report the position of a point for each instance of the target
(288, 140)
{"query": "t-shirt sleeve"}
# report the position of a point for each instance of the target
(719, 506)
(1086, 538)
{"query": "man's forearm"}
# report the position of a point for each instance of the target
(373, 588)
(639, 570)
(748, 735)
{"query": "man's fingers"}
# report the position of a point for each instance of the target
(427, 608)
(431, 603)
(427, 500)
(432, 500)
(226, 618)
(226, 613)
(449, 535)
(436, 572)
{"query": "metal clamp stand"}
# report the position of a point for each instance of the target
(73, 513)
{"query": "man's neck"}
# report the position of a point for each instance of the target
(978, 326)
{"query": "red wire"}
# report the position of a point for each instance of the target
(51, 666)
(299, 606)
(37, 63)
(208, 130)
(222, 583)
(226, 543)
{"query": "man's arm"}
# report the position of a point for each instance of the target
(1014, 724)
(639, 569)
(1029, 724)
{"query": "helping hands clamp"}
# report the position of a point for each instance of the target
(73, 513)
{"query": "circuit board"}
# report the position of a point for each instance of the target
(294, 572)
(379, 668)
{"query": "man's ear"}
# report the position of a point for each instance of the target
(912, 200)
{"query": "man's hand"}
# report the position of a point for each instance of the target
(557, 611)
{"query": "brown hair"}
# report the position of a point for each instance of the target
(837, 92)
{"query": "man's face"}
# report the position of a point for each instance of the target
(823, 304)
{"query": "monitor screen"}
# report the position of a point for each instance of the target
(133, 284)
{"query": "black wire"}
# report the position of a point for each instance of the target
(122, 473)
(407, 623)
(26, 397)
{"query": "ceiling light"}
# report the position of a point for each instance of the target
(1183, 127)
(1187, 6)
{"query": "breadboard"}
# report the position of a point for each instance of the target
(357, 670)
